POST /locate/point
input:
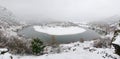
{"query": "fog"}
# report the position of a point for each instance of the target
(62, 10)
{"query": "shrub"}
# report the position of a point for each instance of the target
(81, 40)
(102, 43)
(37, 46)
(18, 46)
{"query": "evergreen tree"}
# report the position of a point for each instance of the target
(37, 46)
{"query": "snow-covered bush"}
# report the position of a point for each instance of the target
(18, 46)
(15, 44)
(102, 42)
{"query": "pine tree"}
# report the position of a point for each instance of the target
(37, 46)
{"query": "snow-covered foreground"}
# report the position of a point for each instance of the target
(59, 30)
(75, 50)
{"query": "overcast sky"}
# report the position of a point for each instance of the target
(77, 10)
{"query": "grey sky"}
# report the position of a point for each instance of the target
(63, 9)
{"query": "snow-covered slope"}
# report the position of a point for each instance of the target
(75, 50)
(8, 22)
(8, 17)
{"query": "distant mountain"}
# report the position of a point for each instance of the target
(106, 21)
(112, 19)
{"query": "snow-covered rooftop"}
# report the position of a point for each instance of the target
(59, 30)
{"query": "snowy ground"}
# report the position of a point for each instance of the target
(75, 50)
(59, 30)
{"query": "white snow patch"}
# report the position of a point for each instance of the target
(5, 56)
(117, 41)
(3, 49)
(59, 30)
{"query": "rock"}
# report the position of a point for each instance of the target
(117, 49)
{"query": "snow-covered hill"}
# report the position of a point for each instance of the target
(7, 18)
(8, 22)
